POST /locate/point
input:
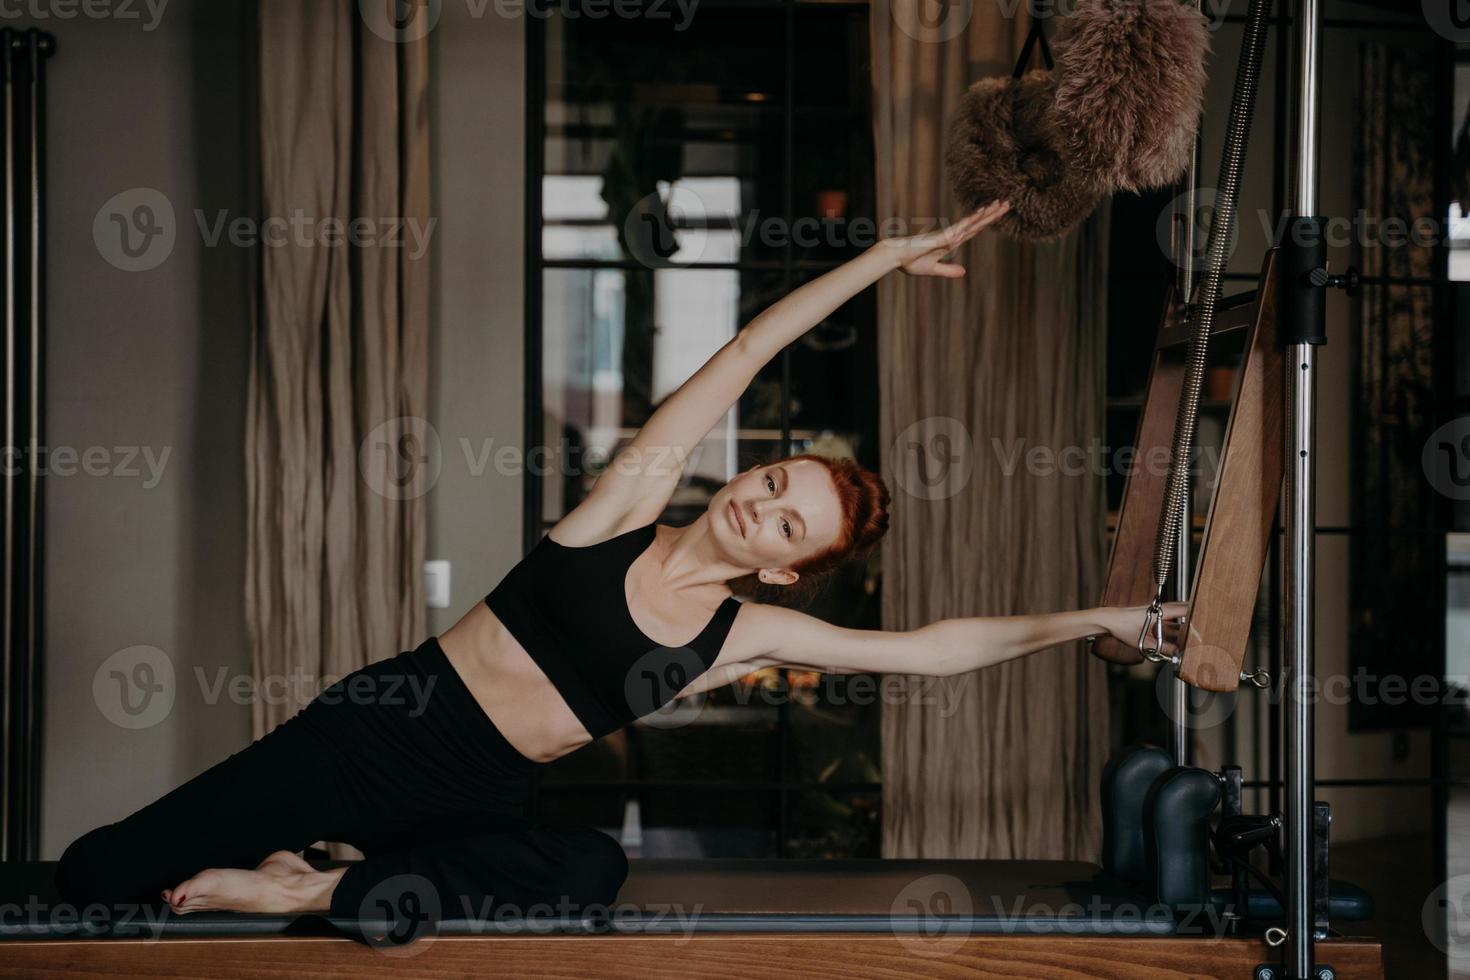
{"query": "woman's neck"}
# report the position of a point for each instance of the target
(692, 560)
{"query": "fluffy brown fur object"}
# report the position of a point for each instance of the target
(1118, 113)
(1004, 145)
(1130, 87)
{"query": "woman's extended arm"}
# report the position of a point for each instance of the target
(766, 634)
(645, 472)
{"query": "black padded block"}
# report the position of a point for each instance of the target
(1125, 782)
(1176, 835)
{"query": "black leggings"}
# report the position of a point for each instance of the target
(400, 761)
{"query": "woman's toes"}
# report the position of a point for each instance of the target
(232, 890)
(187, 895)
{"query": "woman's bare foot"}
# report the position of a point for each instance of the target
(283, 882)
(230, 890)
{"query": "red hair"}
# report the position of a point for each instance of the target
(863, 500)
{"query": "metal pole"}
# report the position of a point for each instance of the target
(40, 46)
(7, 673)
(1300, 526)
(1184, 259)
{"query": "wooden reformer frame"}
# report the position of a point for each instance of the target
(1237, 532)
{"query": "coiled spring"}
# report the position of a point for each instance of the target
(1172, 516)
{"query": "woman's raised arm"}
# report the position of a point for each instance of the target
(639, 480)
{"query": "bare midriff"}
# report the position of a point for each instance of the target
(517, 696)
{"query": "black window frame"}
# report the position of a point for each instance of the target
(788, 788)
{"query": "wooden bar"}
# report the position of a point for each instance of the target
(1237, 534)
(675, 957)
(1231, 314)
(1129, 579)
(1233, 549)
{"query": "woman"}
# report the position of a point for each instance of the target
(421, 760)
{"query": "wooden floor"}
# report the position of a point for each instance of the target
(670, 957)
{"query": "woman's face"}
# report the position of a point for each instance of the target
(778, 515)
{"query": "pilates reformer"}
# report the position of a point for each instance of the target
(1271, 424)
(1172, 832)
(1150, 904)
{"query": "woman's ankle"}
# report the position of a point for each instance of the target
(311, 891)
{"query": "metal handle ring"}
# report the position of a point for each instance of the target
(1259, 678)
(1153, 621)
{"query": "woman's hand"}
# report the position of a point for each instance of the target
(1126, 623)
(923, 255)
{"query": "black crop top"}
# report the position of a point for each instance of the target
(568, 608)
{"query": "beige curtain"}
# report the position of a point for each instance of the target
(335, 437)
(974, 376)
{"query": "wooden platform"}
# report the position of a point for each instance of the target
(681, 919)
(646, 957)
